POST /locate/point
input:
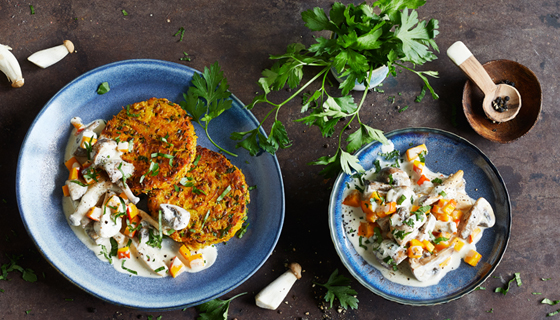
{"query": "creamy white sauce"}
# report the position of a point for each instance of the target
(169, 248)
(353, 216)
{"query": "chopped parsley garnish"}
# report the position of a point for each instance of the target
(437, 180)
(537, 293)
(400, 234)
(127, 269)
(377, 166)
(505, 291)
(252, 187)
(546, 279)
(518, 279)
(124, 12)
(186, 57)
(130, 114)
(243, 230)
(409, 222)
(89, 147)
(443, 194)
(215, 309)
(177, 189)
(360, 243)
(105, 253)
(114, 247)
(198, 191)
(164, 140)
(553, 313)
(391, 99)
(491, 310)
(479, 288)
(403, 109)
(550, 302)
(391, 263)
(26, 274)
(153, 170)
(204, 220)
(180, 33)
(390, 155)
(159, 269)
(103, 88)
(440, 239)
(338, 286)
(422, 156)
(164, 155)
(391, 181)
(421, 95)
(378, 236)
(32, 9)
(224, 194)
(401, 199)
(78, 182)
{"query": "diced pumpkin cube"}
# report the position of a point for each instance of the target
(78, 125)
(377, 197)
(413, 153)
(94, 213)
(74, 173)
(415, 251)
(123, 253)
(445, 263)
(193, 260)
(418, 166)
(422, 179)
(130, 226)
(458, 244)
(443, 217)
(131, 210)
(86, 164)
(457, 214)
(177, 267)
(353, 199)
(449, 207)
(185, 252)
(428, 245)
(472, 258)
(474, 235)
(416, 242)
(366, 229)
(70, 163)
(65, 191)
(371, 217)
(387, 209)
(436, 210)
(442, 245)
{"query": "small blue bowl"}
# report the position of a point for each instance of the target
(41, 174)
(448, 153)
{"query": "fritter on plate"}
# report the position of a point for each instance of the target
(216, 194)
(164, 142)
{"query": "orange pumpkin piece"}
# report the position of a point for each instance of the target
(472, 258)
(353, 199)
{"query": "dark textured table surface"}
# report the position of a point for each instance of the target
(240, 35)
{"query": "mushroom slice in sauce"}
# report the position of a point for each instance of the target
(394, 177)
(76, 190)
(449, 226)
(374, 186)
(149, 256)
(426, 268)
(390, 254)
(126, 189)
(449, 187)
(174, 217)
(107, 157)
(427, 229)
(89, 199)
(481, 211)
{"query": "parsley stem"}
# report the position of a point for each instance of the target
(214, 143)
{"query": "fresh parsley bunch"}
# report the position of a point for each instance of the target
(361, 41)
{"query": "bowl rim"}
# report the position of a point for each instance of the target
(332, 203)
(492, 137)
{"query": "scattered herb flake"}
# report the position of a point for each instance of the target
(505, 291)
(536, 293)
(437, 180)
(479, 288)
(403, 109)
(103, 88)
(215, 309)
(491, 310)
(124, 12)
(550, 302)
(553, 313)
(518, 279)
(421, 95)
(252, 187)
(185, 57)
(32, 9)
(180, 33)
(127, 269)
(546, 279)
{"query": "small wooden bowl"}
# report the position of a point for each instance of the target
(526, 83)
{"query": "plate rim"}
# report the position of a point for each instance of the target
(362, 281)
(156, 63)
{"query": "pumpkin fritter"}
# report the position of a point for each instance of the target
(164, 142)
(216, 194)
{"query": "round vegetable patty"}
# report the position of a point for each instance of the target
(216, 194)
(164, 142)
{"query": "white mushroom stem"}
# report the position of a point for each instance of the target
(271, 296)
(47, 57)
(10, 66)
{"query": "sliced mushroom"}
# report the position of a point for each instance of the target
(426, 268)
(384, 223)
(126, 189)
(397, 218)
(449, 226)
(449, 187)
(150, 258)
(408, 230)
(390, 254)
(481, 213)
(394, 177)
(174, 217)
(427, 229)
(76, 190)
(107, 157)
(90, 231)
(89, 199)
(374, 186)
(108, 225)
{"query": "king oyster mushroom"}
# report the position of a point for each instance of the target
(390, 254)
(174, 217)
(76, 190)
(481, 214)
(107, 157)
(89, 199)
(449, 226)
(272, 295)
(427, 267)
(427, 229)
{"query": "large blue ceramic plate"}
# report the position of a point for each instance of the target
(447, 154)
(41, 174)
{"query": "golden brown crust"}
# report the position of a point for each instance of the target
(205, 183)
(157, 126)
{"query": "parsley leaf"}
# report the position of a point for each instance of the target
(550, 302)
(338, 287)
(207, 98)
(103, 88)
(505, 291)
(215, 309)
(180, 33)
